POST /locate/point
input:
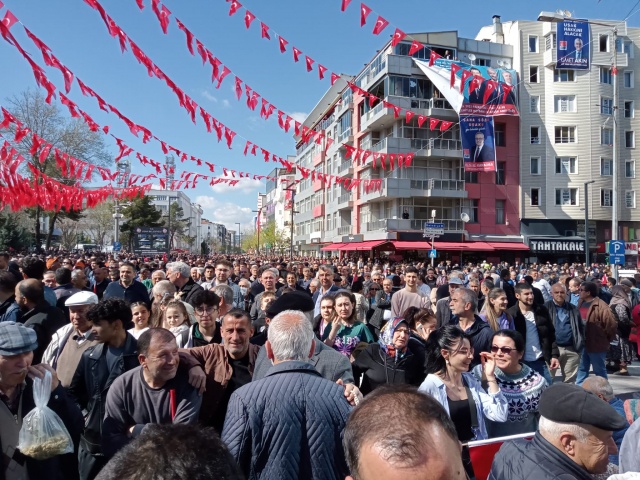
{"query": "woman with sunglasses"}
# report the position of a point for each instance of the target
(449, 354)
(521, 385)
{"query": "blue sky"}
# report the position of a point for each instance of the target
(78, 37)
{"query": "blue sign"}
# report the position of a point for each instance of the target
(478, 144)
(432, 253)
(117, 246)
(616, 259)
(573, 43)
(616, 247)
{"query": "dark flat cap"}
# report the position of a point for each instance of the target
(297, 300)
(568, 403)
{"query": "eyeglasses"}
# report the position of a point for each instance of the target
(202, 311)
(505, 350)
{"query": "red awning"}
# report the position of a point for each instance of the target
(405, 245)
(469, 246)
(508, 246)
(362, 245)
(331, 247)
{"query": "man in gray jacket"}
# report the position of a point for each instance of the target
(289, 425)
(569, 332)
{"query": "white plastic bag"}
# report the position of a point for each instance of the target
(43, 435)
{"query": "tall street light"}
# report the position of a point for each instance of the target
(557, 18)
(290, 188)
(239, 237)
(586, 222)
(259, 212)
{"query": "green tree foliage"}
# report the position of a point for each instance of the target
(177, 224)
(139, 213)
(12, 234)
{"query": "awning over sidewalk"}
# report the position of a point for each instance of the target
(404, 245)
(508, 246)
(331, 247)
(368, 245)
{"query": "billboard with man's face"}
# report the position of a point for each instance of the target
(572, 45)
(478, 144)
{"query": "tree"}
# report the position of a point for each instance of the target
(12, 234)
(69, 233)
(71, 136)
(250, 241)
(98, 222)
(176, 223)
(276, 237)
(204, 248)
(139, 213)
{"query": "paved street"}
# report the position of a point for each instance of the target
(624, 387)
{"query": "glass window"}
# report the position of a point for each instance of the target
(564, 75)
(536, 166)
(606, 166)
(535, 197)
(500, 214)
(629, 110)
(471, 208)
(534, 106)
(564, 103)
(550, 41)
(603, 44)
(566, 165)
(500, 178)
(533, 74)
(606, 136)
(471, 177)
(535, 135)
(483, 62)
(606, 197)
(606, 105)
(500, 134)
(630, 199)
(629, 139)
(533, 44)
(630, 168)
(566, 196)
(565, 134)
(605, 75)
(627, 81)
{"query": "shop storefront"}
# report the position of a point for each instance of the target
(556, 249)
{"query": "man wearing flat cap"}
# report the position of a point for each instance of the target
(17, 344)
(574, 439)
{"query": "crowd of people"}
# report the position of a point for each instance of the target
(258, 367)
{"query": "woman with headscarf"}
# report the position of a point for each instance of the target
(392, 360)
(619, 354)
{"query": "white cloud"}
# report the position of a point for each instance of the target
(225, 103)
(227, 213)
(299, 116)
(244, 186)
(209, 97)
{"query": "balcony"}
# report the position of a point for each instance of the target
(318, 211)
(550, 57)
(344, 230)
(345, 201)
(318, 185)
(345, 168)
(398, 224)
(407, 188)
(442, 148)
(318, 158)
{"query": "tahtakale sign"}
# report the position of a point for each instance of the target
(556, 245)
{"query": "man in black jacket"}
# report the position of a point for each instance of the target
(127, 288)
(179, 274)
(535, 325)
(99, 366)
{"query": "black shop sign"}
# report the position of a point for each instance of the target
(557, 246)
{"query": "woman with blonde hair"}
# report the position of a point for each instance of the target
(494, 312)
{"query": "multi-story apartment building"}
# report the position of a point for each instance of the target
(276, 205)
(214, 234)
(333, 218)
(191, 211)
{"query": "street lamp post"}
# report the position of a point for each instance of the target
(293, 203)
(433, 235)
(586, 223)
(259, 212)
(556, 18)
(239, 236)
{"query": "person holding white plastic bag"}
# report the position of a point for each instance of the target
(17, 344)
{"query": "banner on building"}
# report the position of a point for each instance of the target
(478, 144)
(474, 89)
(573, 45)
(150, 240)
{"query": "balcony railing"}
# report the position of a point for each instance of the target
(391, 224)
(344, 230)
(438, 184)
(344, 166)
(444, 144)
(345, 197)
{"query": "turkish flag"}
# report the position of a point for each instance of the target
(9, 19)
(454, 69)
(372, 99)
(164, 18)
(473, 84)
(334, 78)
(188, 34)
(491, 86)
(233, 8)
(345, 4)
(398, 35)
(380, 25)
(421, 120)
(264, 28)
(408, 116)
(225, 72)
(415, 46)
(321, 70)
(433, 57)
(364, 13)
(309, 61)
(445, 125)
(238, 87)
(296, 54)
(283, 44)
(248, 18)
(201, 50)
(433, 123)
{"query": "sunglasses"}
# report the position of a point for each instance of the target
(505, 350)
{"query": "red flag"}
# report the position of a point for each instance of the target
(433, 57)
(233, 8)
(164, 18)
(296, 54)
(380, 25)
(283, 44)
(248, 18)
(415, 46)
(188, 34)
(445, 125)
(421, 120)
(309, 61)
(140, 4)
(433, 123)
(408, 159)
(364, 13)
(473, 84)
(408, 116)
(225, 72)
(201, 50)
(454, 69)
(238, 87)
(490, 87)
(345, 4)
(398, 36)
(9, 19)
(372, 99)
(321, 71)
(265, 30)
(334, 78)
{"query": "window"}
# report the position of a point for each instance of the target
(564, 103)
(536, 166)
(630, 199)
(628, 48)
(605, 75)
(550, 42)
(483, 62)
(500, 180)
(535, 135)
(564, 76)
(471, 208)
(606, 166)
(500, 217)
(533, 74)
(629, 110)
(534, 106)
(500, 134)
(606, 197)
(535, 197)
(603, 44)
(627, 79)
(606, 106)
(471, 177)
(566, 196)
(629, 139)
(606, 136)
(566, 165)
(565, 134)
(533, 44)
(630, 169)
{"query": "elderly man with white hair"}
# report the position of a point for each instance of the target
(179, 273)
(290, 423)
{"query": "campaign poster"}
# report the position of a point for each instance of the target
(150, 240)
(474, 89)
(478, 144)
(573, 42)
